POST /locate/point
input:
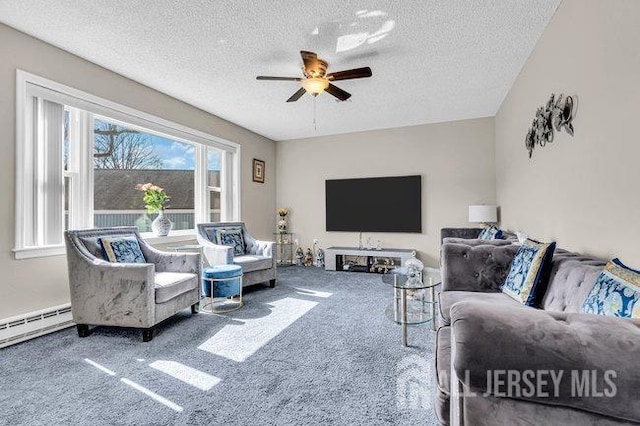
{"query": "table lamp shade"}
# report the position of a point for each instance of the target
(483, 214)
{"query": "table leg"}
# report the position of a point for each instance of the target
(403, 313)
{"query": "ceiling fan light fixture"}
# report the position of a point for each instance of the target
(315, 85)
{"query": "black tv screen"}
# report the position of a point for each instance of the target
(381, 204)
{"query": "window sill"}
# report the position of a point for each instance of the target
(173, 237)
(149, 237)
(31, 252)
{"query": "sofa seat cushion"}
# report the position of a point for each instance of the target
(172, 284)
(448, 298)
(443, 374)
(253, 262)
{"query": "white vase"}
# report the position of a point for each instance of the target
(161, 225)
(282, 225)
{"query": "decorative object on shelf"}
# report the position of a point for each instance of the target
(414, 270)
(282, 222)
(299, 257)
(484, 214)
(155, 200)
(379, 245)
(382, 265)
(308, 258)
(320, 258)
(258, 170)
(558, 114)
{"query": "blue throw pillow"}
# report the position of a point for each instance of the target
(232, 237)
(122, 249)
(616, 292)
(490, 233)
(527, 278)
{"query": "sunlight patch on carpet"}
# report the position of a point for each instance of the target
(315, 293)
(99, 367)
(190, 376)
(153, 395)
(239, 342)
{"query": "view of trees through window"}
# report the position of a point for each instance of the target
(124, 157)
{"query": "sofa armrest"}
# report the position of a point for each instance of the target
(112, 293)
(582, 361)
(172, 262)
(475, 268)
(464, 233)
(214, 253)
(265, 248)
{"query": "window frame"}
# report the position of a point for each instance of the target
(29, 85)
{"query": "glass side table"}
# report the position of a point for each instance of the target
(414, 300)
(284, 248)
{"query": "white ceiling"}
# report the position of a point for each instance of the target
(432, 61)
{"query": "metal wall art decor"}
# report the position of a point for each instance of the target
(557, 114)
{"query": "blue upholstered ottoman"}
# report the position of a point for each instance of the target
(226, 283)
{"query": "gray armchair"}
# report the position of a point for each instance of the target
(258, 262)
(138, 295)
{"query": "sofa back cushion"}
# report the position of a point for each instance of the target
(570, 281)
(475, 268)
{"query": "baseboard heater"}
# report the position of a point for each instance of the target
(33, 324)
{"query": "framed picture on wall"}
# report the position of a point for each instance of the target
(258, 170)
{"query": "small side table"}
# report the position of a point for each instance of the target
(284, 248)
(223, 285)
(414, 300)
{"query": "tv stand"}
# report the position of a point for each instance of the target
(336, 258)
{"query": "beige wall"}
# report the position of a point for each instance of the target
(581, 191)
(27, 285)
(455, 159)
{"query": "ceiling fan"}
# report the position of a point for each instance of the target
(316, 80)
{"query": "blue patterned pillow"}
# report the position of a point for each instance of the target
(122, 249)
(490, 233)
(616, 292)
(527, 278)
(232, 237)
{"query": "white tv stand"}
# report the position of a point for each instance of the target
(333, 263)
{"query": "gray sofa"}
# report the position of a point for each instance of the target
(138, 295)
(258, 262)
(482, 331)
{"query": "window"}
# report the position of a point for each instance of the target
(79, 159)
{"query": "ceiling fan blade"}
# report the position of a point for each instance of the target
(297, 95)
(309, 59)
(263, 77)
(349, 74)
(338, 92)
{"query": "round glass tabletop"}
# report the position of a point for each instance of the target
(398, 278)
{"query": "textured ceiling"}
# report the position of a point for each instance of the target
(432, 61)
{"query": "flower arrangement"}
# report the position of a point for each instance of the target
(282, 212)
(154, 197)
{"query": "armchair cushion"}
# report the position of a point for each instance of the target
(251, 262)
(232, 237)
(124, 249)
(172, 284)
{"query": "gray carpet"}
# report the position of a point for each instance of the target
(339, 363)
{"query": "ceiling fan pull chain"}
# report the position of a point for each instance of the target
(315, 126)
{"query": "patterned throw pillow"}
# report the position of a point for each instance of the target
(526, 281)
(122, 249)
(232, 237)
(616, 292)
(490, 233)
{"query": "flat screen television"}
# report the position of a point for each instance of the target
(380, 204)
